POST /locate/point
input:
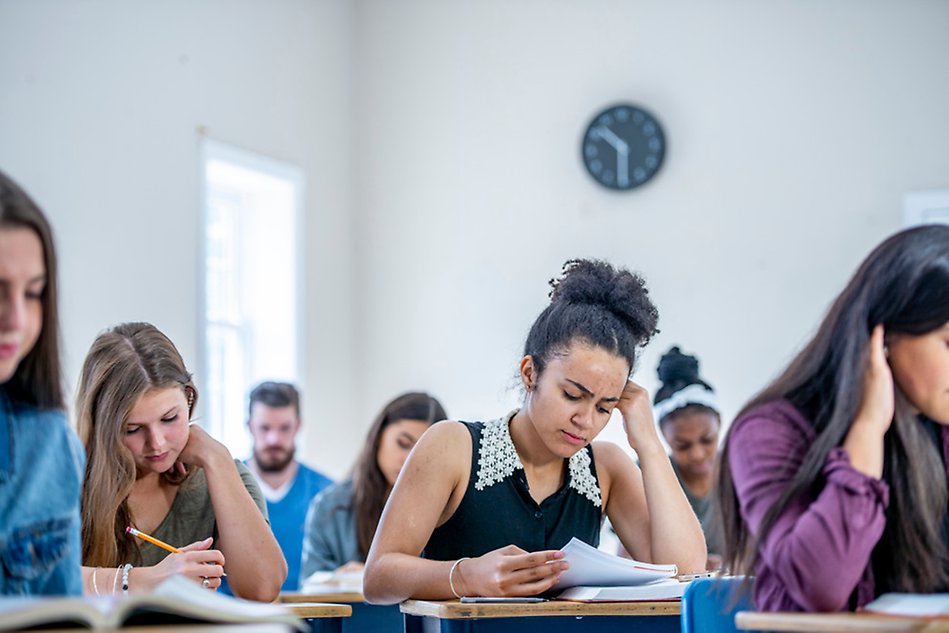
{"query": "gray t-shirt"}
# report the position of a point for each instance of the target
(702, 506)
(191, 517)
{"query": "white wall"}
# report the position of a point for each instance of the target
(100, 107)
(793, 130)
(440, 141)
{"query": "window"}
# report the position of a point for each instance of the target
(251, 300)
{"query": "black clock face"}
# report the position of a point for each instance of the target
(623, 147)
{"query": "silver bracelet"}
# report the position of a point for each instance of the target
(125, 577)
(115, 577)
(451, 572)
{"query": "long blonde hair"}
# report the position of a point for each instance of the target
(123, 363)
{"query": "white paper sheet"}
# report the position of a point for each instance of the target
(590, 566)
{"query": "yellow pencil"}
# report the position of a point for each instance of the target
(152, 540)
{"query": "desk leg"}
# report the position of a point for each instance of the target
(325, 625)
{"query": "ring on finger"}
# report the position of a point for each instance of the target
(206, 583)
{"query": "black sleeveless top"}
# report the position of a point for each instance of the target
(497, 509)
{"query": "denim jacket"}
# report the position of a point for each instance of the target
(41, 470)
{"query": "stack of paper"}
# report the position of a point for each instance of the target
(590, 566)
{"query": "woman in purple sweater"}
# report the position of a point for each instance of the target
(834, 478)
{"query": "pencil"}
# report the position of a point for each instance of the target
(152, 540)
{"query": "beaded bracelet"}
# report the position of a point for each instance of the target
(452, 571)
(125, 577)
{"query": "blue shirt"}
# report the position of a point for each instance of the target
(288, 516)
(41, 470)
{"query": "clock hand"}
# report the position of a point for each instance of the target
(615, 142)
(622, 168)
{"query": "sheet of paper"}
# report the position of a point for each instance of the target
(590, 566)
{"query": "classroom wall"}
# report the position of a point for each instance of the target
(440, 141)
(101, 103)
(793, 130)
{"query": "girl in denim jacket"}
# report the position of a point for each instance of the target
(41, 460)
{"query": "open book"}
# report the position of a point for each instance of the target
(590, 566)
(917, 605)
(175, 601)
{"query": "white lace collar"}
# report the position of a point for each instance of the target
(497, 460)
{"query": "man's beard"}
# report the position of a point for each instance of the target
(273, 462)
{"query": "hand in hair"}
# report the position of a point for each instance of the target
(509, 571)
(864, 441)
(201, 450)
(195, 562)
(877, 400)
(636, 408)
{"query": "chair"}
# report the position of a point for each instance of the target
(709, 605)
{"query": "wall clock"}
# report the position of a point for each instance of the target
(623, 147)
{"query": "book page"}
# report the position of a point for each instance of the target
(590, 566)
(178, 596)
(20, 612)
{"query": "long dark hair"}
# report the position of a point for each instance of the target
(37, 380)
(370, 487)
(903, 285)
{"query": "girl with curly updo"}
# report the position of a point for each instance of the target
(482, 508)
(686, 409)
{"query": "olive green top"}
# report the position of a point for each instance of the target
(191, 517)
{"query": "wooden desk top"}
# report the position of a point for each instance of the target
(836, 623)
(331, 594)
(257, 627)
(454, 610)
(320, 610)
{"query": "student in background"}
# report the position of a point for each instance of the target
(289, 486)
(834, 477)
(686, 409)
(41, 458)
(150, 469)
(342, 520)
(490, 503)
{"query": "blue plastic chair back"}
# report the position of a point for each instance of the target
(709, 605)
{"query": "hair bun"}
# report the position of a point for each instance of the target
(597, 283)
(676, 368)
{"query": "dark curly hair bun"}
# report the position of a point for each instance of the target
(676, 367)
(594, 282)
(593, 301)
(677, 371)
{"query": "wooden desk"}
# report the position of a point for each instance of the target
(258, 627)
(366, 618)
(322, 617)
(836, 623)
(552, 616)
